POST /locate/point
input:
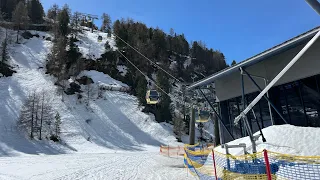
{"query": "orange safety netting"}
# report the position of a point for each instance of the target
(172, 150)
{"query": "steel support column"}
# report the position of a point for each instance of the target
(219, 117)
(245, 119)
(260, 90)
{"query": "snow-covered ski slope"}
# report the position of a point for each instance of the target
(94, 167)
(116, 121)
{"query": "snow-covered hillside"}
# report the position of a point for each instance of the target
(90, 47)
(116, 121)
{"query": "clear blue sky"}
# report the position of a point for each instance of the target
(239, 28)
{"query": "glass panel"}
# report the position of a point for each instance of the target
(295, 106)
(311, 99)
(233, 113)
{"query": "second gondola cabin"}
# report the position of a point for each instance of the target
(202, 116)
(152, 97)
(100, 38)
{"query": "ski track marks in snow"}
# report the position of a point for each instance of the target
(94, 167)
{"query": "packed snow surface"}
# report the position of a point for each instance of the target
(137, 165)
(287, 139)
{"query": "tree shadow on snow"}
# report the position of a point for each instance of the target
(110, 127)
(11, 141)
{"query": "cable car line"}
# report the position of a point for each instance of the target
(143, 73)
(147, 58)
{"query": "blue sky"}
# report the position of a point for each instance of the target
(240, 29)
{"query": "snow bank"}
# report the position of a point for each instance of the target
(100, 77)
(122, 69)
(105, 81)
(287, 139)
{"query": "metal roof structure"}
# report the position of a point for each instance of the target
(300, 39)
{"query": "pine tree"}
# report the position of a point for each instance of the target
(35, 11)
(7, 7)
(141, 89)
(164, 112)
(73, 54)
(106, 23)
(4, 49)
(57, 125)
(63, 21)
(20, 17)
(233, 63)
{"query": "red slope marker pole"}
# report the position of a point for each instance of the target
(266, 159)
(214, 165)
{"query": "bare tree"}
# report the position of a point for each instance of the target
(53, 12)
(75, 24)
(34, 112)
(27, 114)
(100, 91)
(46, 115)
(20, 17)
(57, 125)
(171, 32)
(89, 92)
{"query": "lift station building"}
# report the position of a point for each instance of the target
(295, 97)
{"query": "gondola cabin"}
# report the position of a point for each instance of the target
(202, 116)
(100, 38)
(152, 97)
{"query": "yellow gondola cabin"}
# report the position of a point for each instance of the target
(203, 116)
(152, 97)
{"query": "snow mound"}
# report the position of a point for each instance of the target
(287, 139)
(102, 78)
(122, 69)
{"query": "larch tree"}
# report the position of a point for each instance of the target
(20, 17)
(53, 12)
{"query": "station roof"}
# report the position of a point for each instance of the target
(300, 39)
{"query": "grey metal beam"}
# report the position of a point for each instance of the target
(315, 5)
(245, 120)
(192, 127)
